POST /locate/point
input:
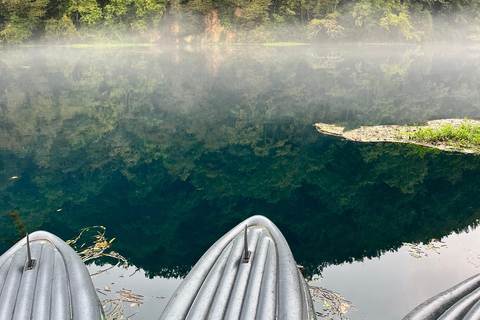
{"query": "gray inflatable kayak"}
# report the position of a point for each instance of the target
(459, 302)
(46, 280)
(249, 273)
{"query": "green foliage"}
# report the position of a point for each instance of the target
(16, 30)
(251, 12)
(465, 134)
(60, 29)
(148, 14)
(116, 13)
(22, 18)
(283, 44)
(324, 8)
(390, 15)
(31, 10)
(85, 12)
(329, 26)
(201, 6)
(247, 20)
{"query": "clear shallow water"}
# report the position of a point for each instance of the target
(169, 148)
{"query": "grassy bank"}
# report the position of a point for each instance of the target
(465, 134)
(448, 134)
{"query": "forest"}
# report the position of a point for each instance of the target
(238, 21)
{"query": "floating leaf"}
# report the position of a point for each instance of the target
(335, 305)
(419, 251)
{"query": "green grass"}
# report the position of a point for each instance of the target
(108, 45)
(121, 45)
(465, 134)
(283, 44)
(266, 44)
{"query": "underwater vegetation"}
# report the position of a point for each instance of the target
(19, 225)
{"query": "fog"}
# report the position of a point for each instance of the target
(350, 84)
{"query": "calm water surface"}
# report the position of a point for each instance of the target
(169, 148)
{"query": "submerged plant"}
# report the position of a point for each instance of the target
(19, 224)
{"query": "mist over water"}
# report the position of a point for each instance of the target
(170, 147)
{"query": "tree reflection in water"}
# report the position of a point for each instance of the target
(170, 148)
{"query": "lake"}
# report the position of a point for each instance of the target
(168, 148)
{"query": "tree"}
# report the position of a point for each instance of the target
(147, 14)
(22, 18)
(60, 29)
(329, 25)
(84, 12)
(250, 13)
(135, 15)
(374, 16)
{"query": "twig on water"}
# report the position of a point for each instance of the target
(335, 306)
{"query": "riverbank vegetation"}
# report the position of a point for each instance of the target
(465, 134)
(448, 134)
(79, 21)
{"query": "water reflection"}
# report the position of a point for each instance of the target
(170, 148)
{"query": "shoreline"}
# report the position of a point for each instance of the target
(400, 134)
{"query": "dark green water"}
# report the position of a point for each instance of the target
(169, 148)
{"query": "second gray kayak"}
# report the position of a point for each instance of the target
(249, 273)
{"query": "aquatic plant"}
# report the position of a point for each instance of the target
(93, 247)
(114, 308)
(96, 249)
(19, 225)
